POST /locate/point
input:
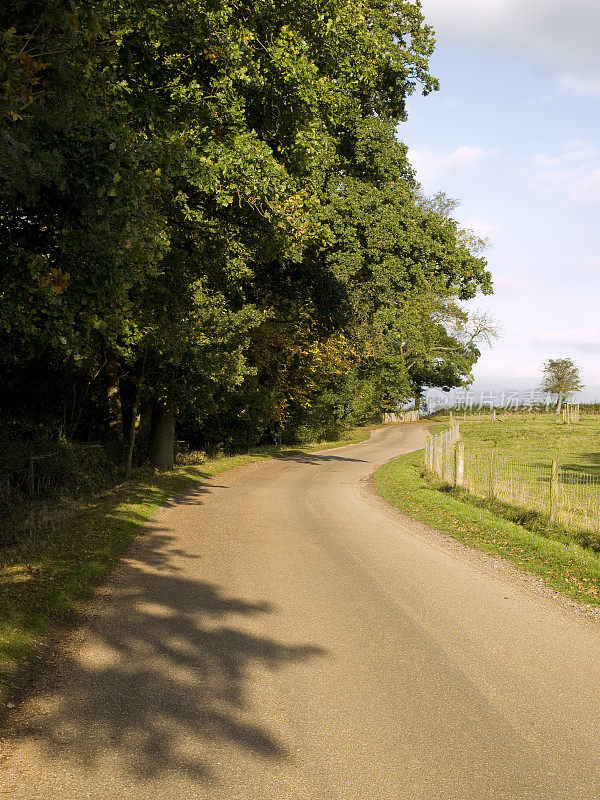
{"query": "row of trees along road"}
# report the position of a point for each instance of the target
(206, 217)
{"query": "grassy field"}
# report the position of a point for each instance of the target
(60, 547)
(567, 560)
(524, 450)
(539, 438)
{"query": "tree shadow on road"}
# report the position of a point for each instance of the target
(316, 458)
(160, 675)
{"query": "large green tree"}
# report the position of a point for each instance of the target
(205, 208)
(406, 266)
(247, 108)
(80, 230)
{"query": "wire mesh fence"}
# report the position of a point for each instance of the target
(569, 496)
(440, 457)
(32, 475)
(70, 467)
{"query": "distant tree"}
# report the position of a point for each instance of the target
(561, 377)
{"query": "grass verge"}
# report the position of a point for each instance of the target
(46, 573)
(565, 566)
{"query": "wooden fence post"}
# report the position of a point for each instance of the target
(459, 474)
(493, 473)
(554, 490)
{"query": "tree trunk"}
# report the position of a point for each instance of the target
(559, 402)
(113, 395)
(162, 437)
(132, 424)
(132, 432)
(418, 397)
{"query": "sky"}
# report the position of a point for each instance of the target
(514, 135)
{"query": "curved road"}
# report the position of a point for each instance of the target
(279, 634)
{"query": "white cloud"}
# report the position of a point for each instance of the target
(590, 266)
(575, 151)
(431, 166)
(465, 156)
(574, 173)
(507, 369)
(556, 35)
(482, 228)
(578, 338)
(580, 84)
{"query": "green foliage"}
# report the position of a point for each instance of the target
(404, 264)
(561, 376)
(216, 195)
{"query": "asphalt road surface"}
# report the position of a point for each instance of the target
(280, 634)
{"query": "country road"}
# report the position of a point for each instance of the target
(280, 634)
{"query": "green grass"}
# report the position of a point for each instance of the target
(563, 564)
(525, 445)
(61, 547)
(538, 438)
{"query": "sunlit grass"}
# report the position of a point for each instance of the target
(534, 438)
(562, 564)
(538, 438)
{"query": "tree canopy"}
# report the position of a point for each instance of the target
(206, 215)
(561, 377)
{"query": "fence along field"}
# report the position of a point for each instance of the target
(402, 416)
(569, 496)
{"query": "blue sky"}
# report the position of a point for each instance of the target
(514, 134)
